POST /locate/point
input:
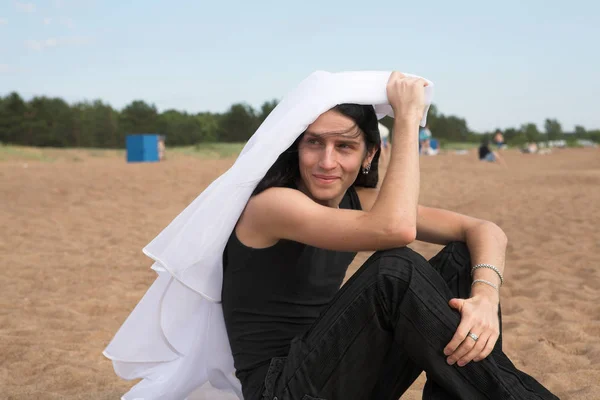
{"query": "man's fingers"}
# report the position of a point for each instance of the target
(465, 347)
(475, 351)
(460, 344)
(456, 304)
(488, 347)
(457, 339)
(396, 75)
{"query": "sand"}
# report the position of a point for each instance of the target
(73, 230)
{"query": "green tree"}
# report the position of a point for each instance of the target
(531, 132)
(182, 129)
(171, 123)
(14, 113)
(512, 135)
(97, 124)
(553, 129)
(238, 123)
(210, 126)
(139, 117)
(579, 131)
(47, 121)
(450, 128)
(266, 109)
(53, 123)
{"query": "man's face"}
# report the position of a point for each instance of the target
(331, 154)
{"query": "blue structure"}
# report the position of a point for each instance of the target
(143, 147)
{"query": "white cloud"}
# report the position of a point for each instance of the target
(72, 3)
(33, 44)
(66, 21)
(38, 45)
(75, 40)
(3, 21)
(25, 7)
(9, 69)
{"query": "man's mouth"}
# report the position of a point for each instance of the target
(326, 179)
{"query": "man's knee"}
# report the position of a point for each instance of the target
(454, 255)
(399, 263)
(401, 253)
(453, 261)
(398, 270)
(459, 249)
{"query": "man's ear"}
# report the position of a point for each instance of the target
(370, 155)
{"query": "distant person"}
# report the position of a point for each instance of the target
(499, 140)
(486, 154)
(425, 140)
(161, 148)
(384, 142)
(385, 147)
(530, 148)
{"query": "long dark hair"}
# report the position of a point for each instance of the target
(285, 171)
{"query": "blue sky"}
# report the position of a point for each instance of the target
(497, 64)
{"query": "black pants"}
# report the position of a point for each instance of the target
(386, 325)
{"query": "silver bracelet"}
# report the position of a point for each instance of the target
(486, 282)
(490, 266)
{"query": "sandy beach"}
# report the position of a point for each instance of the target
(73, 230)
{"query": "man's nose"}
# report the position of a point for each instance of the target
(328, 158)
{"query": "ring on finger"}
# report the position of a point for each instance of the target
(473, 336)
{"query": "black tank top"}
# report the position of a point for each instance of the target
(274, 294)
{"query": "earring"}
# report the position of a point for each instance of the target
(366, 169)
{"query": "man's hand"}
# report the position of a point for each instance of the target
(406, 96)
(479, 317)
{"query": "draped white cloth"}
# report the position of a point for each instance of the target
(384, 132)
(175, 338)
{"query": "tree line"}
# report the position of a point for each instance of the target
(52, 122)
(455, 129)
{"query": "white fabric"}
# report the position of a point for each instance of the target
(175, 338)
(384, 132)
